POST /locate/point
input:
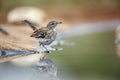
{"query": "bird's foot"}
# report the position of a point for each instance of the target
(56, 49)
(47, 51)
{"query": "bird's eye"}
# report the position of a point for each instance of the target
(52, 23)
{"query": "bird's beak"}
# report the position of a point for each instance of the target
(59, 22)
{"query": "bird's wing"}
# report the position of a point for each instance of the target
(39, 34)
(49, 38)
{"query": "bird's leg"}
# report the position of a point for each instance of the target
(44, 54)
(47, 51)
(41, 44)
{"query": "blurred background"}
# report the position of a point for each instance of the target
(70, 10)
(91, 24)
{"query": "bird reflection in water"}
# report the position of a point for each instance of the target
(46, 70)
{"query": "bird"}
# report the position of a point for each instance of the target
(46, 35)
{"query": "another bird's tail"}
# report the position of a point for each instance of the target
(3, 30)
(30, 24)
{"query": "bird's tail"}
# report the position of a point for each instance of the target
(30, 24)
(3, 30)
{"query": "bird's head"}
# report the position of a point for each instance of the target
(53, 24)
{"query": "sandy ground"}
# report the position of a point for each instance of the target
(18, 38)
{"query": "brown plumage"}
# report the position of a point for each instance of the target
(46, 35)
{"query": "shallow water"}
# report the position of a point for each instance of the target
(93, 57)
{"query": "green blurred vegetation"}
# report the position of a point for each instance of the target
(7, 4)
(58, 5)
(93, 55)
(56, 2)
